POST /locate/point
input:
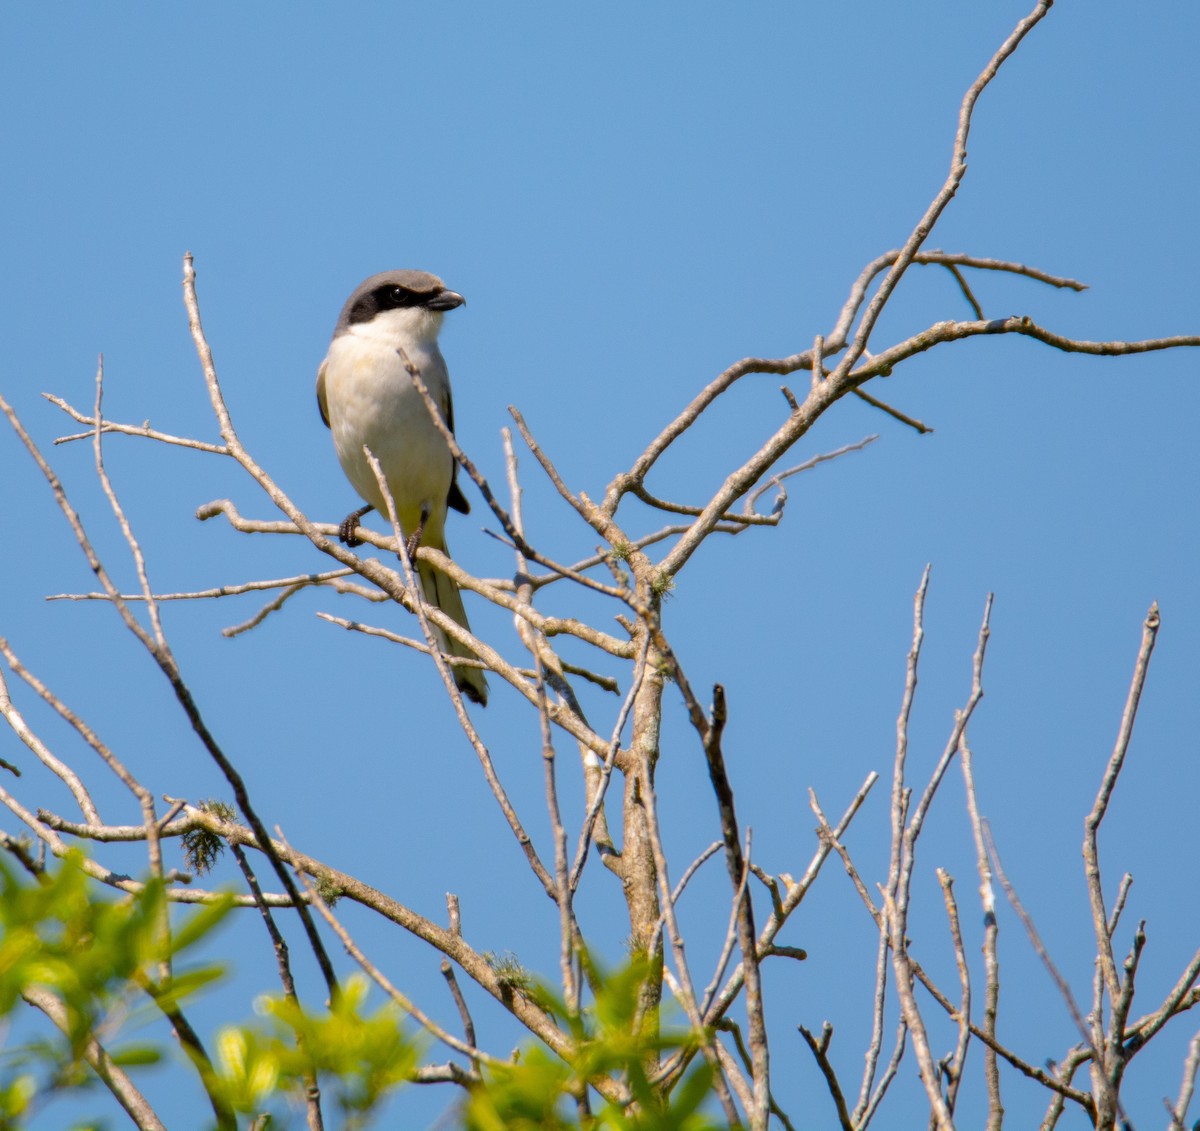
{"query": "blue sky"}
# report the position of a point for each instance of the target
(631, 198)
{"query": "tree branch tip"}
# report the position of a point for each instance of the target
(501, 538)
(796, 952)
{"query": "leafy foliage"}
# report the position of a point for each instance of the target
(90, 955)
(615, 1038)
(364, 1056)
(101, 957)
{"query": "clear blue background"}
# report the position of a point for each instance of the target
(632, 197)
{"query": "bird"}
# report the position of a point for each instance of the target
(367, 399)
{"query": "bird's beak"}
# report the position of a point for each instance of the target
(446, 300)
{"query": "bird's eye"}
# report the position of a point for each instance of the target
(400, 296)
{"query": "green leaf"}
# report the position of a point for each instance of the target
(200, 922)
(132, 1056)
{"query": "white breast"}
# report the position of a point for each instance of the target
(372, 401)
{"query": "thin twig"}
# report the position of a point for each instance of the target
(895, 892)
(858, 292)
(468, 727)
(684, 988)
(143, 430)
(913, 423)
(216, 591)
(874, 1049)
(460, 1003)
(820, 1051)
(795, 895)
(375, 974)
(126, 1093)
(1191, 1066)
(312, 1085)
(991, 931)
(731, 933)
(963, 286)
(598, 788)
(777, 479)
(562, 886)
(888, 1076)
(162, 654)
(45, 755)
(1091, 851)
(955, 1067)
(958, 170)
(676, 894)
(1063, 988)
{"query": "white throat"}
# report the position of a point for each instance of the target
(412, 326)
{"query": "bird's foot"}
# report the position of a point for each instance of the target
(349, 524)
(413, 542)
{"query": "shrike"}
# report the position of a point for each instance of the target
(368, 399)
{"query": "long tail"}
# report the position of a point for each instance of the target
(442, 591)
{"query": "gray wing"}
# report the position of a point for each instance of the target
(456, 500)
(321, 404)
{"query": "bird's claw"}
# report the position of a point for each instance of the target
(349, 525)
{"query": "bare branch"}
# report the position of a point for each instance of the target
(160, 652)
(963, 286)
(25, 733)
(563, 893)
(461, 1004)
(958, 170)
(1191, 1067)
(961, 719)
(373, 972)
(904, 418)
(501, 514)
(602, 775)
(143, 430)
(300, 580)
(449, 942)
(991, 930)
(955, 1067)
(684, 988)
(874, 1049)
(1182, 997)
(742, 520)
(895, 893)
(732, 933)
(135, 549)
(136, 1106)
(1091, 850)
(858, 292)
(777, 479)
(827, 834)
(820, 1051)
(1119, 903)
(426, 614)
(902, 966)
(625, 482)
(1024, 1067)
(796, 893)
(888, 1076)
(744, 909)
(1063, 989)
(883, 363)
